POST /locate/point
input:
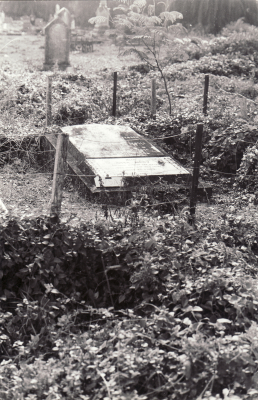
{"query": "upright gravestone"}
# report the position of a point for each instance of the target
(57, 9)
(65, 16)
(2, 17)
(103, 24)
(72, 22)
(57, 44)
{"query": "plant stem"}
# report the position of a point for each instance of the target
(105, 272)
(166, 88)
(162, 75)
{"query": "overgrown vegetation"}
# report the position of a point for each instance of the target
(117, 311)
(145, 306)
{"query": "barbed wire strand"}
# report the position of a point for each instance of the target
(133, 139)
(230, 93)
(131, 176)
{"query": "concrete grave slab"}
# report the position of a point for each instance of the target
(109, 154)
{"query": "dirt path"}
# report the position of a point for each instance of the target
(29, 195)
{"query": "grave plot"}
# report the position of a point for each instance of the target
(116, 158)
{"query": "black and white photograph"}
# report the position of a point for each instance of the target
(129, 200)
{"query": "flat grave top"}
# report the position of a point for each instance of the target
(113, 152)
(110, 141)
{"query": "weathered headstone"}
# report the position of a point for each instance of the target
(57, 9)
(57, 44)
(103, 24)
(65, 16)
(2, 18)
(72, 22)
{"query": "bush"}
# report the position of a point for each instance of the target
(247, 172)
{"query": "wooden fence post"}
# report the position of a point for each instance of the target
(197, 159)
(205, 95)
(49, 101)
(114, 94)
(59, 173)
(153, 98)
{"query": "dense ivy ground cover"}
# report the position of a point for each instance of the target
(147, 310)
(141, 309)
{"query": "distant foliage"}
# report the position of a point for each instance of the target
(213, 15)
(150, 31)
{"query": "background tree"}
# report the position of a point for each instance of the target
(150, 31)
(213, 15)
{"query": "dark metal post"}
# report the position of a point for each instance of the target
(197, 160)
(114, 94)
(205, 96)
(153, 98)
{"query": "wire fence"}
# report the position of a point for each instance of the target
(35, 193)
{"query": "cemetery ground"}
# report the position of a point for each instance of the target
(143, 306)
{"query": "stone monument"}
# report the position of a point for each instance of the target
(72, 22)
(65, 16)
(102, 11)
(2, 18)
(57, 44)
(57, 9)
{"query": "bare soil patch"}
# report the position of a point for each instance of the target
(28, 195)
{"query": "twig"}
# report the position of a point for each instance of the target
(206, 387)
(105, 272)
(9, 43)
(106, 383)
